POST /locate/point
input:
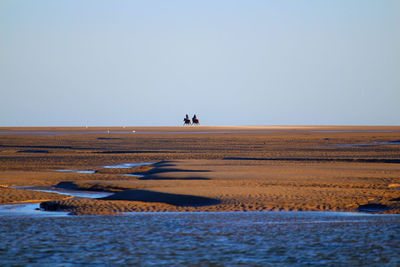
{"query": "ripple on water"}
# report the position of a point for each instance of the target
(28, 209)
(246, 238)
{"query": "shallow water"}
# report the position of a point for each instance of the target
(28, 209)
(127, 165)
(33, 209)
(133, 175)
(181, 239)
(62, 191)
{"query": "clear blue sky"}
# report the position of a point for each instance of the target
(255, 62)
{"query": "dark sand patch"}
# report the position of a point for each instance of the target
(33, 151)
(133, 152)
(41, 146)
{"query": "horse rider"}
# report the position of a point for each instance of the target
(194, 117)
(186, 119)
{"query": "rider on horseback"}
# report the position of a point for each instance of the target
(195, 120)
(186, 120)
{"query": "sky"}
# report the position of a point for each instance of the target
(148, 63)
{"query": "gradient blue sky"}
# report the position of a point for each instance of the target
(115, 63)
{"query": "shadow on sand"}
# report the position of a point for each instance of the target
(172, 199)
(372, 207)
(33, 151)
(166, 167)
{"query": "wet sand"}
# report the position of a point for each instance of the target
(247, 168)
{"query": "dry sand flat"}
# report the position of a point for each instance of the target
(233, 170)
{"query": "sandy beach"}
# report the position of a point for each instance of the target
(204, 168)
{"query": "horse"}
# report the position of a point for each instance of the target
(186, 121)
(196, 121)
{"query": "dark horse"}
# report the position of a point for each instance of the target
(186, 121)
(196, 121)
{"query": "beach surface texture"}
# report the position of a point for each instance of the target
(204, 168)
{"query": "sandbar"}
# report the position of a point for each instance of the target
(206, 168)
